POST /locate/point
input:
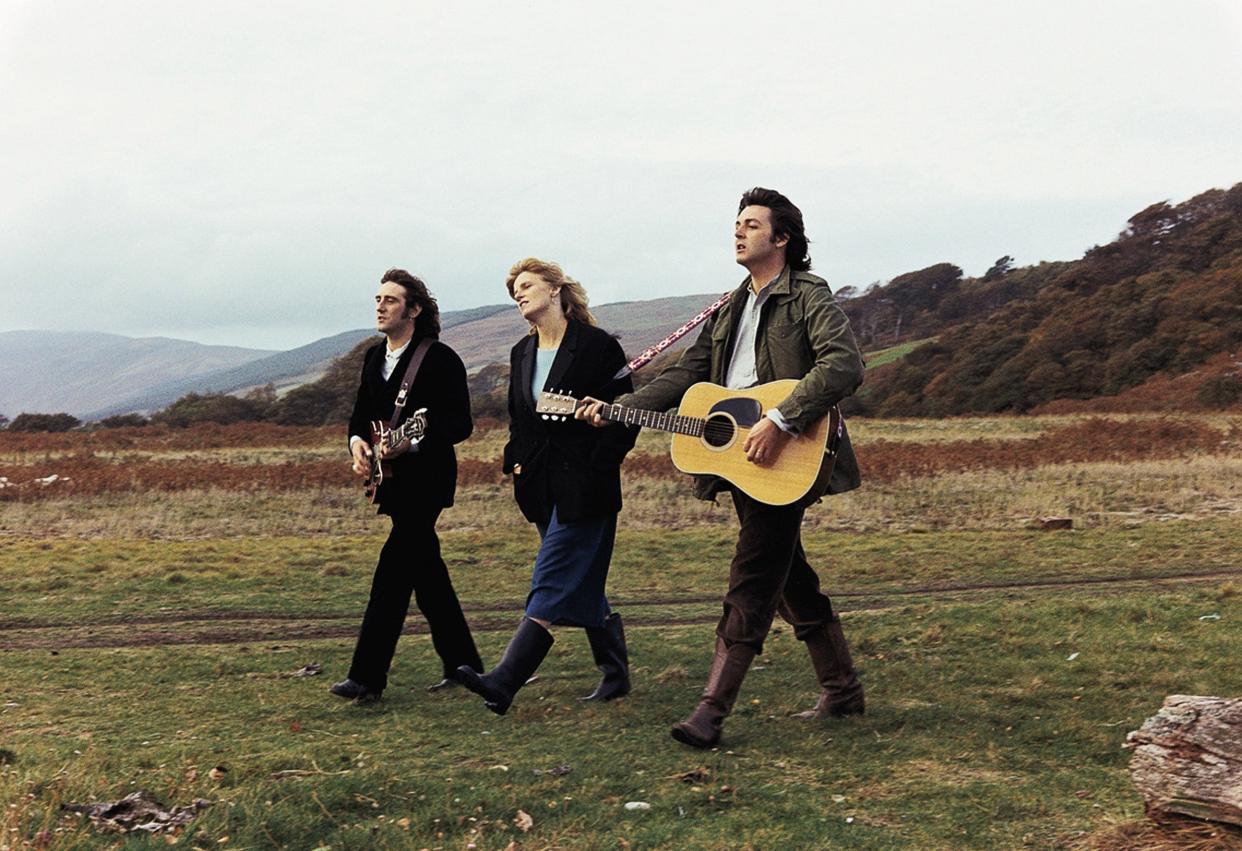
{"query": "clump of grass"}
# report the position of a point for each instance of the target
(672, 674)
(1172, 834)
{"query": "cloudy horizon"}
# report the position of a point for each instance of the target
(241, 174)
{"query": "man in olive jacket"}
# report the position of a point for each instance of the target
(782, 322)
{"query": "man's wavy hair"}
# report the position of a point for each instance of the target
(573, 295)
(427, 323)
(786, 221)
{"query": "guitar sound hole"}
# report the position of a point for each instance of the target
(718, 431)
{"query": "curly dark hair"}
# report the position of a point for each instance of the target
(427, 323)
(786, 221)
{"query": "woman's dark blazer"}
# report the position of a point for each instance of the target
(567, 463)
(426, 478)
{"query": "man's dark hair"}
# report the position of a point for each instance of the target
(427, 323)
(786, 221)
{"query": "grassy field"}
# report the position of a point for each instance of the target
(151, 642)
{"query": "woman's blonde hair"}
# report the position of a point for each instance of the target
(572, 294)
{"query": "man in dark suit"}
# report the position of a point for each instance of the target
(421, 485)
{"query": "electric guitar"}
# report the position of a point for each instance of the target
(710, 428)
(390, 438)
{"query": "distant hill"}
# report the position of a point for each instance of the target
(124, 374)
(282, 369)
(637, 325)
(76, 372)
(1163, 299)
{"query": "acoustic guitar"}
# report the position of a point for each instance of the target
(710, 427)
(383, 436)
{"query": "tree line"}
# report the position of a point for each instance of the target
(1163, 297)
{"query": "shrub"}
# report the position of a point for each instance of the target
(1220, 391)
(44, 422)
(123, 421)
(210, 408)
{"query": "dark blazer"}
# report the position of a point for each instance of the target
(567, 463)
(427, 477)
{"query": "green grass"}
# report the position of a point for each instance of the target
(892, 353)
(83, 582)
(980, 733)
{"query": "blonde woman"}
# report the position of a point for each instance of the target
(566, 480)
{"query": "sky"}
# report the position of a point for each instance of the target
(242, 173)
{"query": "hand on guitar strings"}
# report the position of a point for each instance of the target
(588, 411)
(764, 443)
(362, 458)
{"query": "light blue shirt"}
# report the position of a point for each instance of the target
(543, 368)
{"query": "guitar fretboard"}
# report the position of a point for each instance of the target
(661, 421)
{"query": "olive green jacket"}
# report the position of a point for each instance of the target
(803, 334)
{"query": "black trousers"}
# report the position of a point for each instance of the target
(770, 574)
(410, 563)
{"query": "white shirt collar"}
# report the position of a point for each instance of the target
(395, 354)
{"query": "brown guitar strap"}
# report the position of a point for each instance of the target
(411, 372)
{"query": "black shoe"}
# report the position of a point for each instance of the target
(355, 691)
(446, 683)
(526, 650)
(612, 659)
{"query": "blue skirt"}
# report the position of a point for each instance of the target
(571, 569)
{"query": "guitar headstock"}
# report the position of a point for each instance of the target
(556, 405)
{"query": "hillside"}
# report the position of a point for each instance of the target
(79, 371)
(1162, 299)
(281, 369)
(637, 324)
(123, 374)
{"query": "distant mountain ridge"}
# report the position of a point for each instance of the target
(283, 369)
(36, 377)
(75, 372)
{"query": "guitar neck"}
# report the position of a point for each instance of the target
(658, 420)
(411, 429)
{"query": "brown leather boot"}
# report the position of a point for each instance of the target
(729, 665)
(834, 668)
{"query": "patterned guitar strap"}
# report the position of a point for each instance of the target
(649, 354)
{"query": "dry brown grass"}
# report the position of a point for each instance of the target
(1093, 494)
(175, 467)
(1100, 472)
(1172, 834)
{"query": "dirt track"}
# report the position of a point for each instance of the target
(234, 627)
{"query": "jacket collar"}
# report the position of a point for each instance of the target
(783, 285)
(560, 365)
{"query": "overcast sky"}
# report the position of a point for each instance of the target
(243, 172)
